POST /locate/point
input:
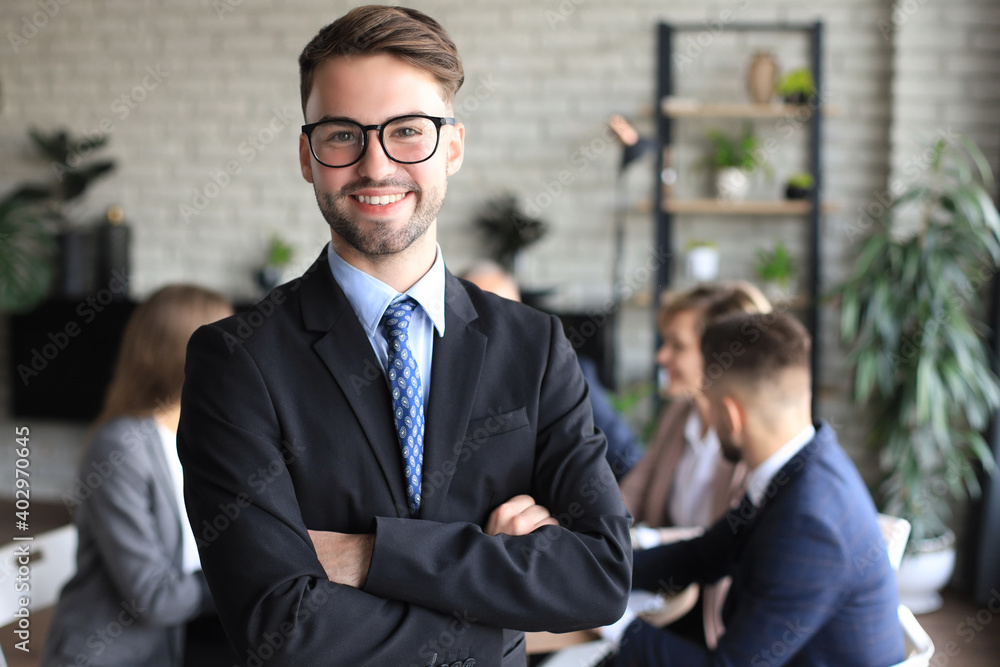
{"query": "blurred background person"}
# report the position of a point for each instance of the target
(623, 444)
(683, 483)
(794, 543)
(138, 580)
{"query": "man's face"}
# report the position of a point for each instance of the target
(372, 90)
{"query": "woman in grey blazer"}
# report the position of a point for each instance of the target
(138, 578)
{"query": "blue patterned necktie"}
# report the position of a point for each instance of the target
(407, 396)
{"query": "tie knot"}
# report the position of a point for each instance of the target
(397, 317)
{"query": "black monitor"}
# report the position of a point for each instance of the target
(62, 355)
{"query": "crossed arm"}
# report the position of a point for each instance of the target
(346, 557)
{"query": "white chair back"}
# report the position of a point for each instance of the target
(919, 647)
(895, 532)
(51, 561)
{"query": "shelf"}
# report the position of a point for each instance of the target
(684, 108)
(764, 207)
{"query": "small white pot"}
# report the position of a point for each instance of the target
(703, 263)
(924, 571)
(731, 184)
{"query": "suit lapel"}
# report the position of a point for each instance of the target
(455, 371)
(348, 355)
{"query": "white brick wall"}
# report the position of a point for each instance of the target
(552, 83)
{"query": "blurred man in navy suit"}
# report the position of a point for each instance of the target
(806, 589)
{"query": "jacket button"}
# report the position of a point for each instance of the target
(471, 662)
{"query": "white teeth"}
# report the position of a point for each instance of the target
(379, 200)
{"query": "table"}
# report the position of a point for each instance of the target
(677, 606)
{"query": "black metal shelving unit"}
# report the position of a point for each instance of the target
(664, 217)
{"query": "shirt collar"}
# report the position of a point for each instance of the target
(760, 477)
(369, 296)
(692, 432)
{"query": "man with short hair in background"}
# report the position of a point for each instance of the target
(806, 588)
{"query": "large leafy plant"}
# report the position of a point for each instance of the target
(32, 214)
(913, 311)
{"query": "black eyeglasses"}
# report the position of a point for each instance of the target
(407, 139)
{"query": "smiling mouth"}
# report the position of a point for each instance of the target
(379, 200)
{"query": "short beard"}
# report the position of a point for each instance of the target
(730, 452)
(382, 241)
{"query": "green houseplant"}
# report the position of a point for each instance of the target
(27, 248)
(279, 257)
(799, 185)
(775, 268)
(33, 214)
(912, 311)
(797, 86)
(733, 159)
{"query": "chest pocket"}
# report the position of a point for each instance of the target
(497, 423)
(494, 463)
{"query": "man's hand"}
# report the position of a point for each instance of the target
(344, 557)
(518, 516)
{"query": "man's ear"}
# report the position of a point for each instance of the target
(305, 158)
(456, 148)
(734, 415)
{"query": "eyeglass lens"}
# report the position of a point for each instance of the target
(407, 139)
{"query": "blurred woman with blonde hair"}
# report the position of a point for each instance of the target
(138, 579)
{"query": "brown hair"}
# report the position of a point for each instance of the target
(149, 372)
(405, 33)
(750, 347)
(711, 301)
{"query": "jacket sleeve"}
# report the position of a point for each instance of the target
(796, 584)
(275, 600)
(558, 578)
(704, 559)
(127, 533)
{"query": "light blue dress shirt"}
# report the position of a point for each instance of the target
(370, 297)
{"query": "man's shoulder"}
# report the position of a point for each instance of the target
(825, 491)
(497, 312)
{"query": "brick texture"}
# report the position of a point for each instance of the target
(188, 87)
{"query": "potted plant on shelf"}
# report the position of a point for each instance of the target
(799, 185)
(734, 160)
(279, 256)
(797, 86)
(703, 260)
(913, 312)
(775, 269)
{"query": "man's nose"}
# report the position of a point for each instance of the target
(375, 164)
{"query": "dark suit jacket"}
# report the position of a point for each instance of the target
(286, 425)
(812, 584)
(129, 599)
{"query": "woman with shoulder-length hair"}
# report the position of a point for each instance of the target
(138, 578)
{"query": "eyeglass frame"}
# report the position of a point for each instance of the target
(439, 122)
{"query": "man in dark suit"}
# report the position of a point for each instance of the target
(383, 464)
(812, 584)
